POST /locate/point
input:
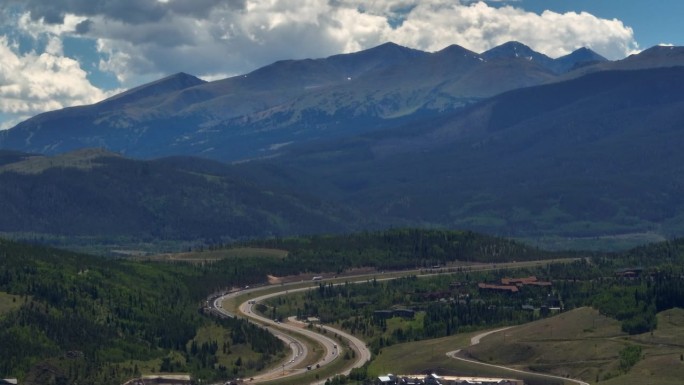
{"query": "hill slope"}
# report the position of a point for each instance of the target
(595, 155)
(586, 345)
(98, 194)
(88, 320)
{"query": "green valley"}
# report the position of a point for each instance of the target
(74, 317)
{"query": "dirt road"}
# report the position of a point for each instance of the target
(476, 340)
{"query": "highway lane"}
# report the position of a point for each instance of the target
(288, 332)
(363, 354)
(298, 349)
(291, 367)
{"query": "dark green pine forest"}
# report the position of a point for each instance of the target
(73, 318)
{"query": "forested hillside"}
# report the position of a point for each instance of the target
(74, 318)
(94, 194)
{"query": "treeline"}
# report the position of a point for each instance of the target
(658, 284)
(89, 318)
(635, 302)
(383, 250)
(655, 283)
(401, 248)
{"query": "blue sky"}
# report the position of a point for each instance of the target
(60, 53)
(654, 22)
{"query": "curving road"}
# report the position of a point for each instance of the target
(329, 346)
(476, 340)
(288, 333)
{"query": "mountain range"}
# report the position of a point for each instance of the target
(255, 115)
(508, 142)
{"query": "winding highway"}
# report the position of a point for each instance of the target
(291, 332)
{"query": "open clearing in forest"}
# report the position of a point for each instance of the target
(9, 302)
(217, 255)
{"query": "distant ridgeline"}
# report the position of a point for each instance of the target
(290, 102)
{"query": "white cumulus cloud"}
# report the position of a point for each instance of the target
(233, 37)
(32, 83)
(434, 24)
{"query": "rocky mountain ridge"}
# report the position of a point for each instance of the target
(290, 101)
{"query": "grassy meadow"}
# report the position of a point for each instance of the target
(580, 344)
(9, 302)
(217, 255)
